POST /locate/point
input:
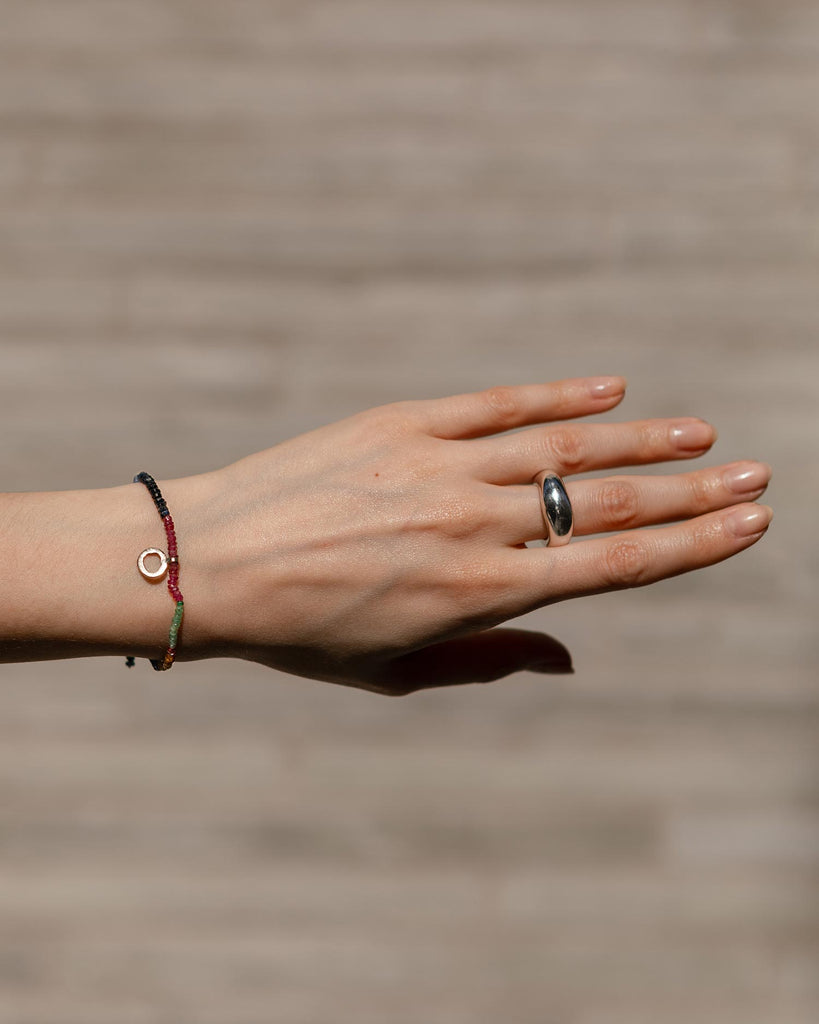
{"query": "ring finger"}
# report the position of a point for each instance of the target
(626, 502)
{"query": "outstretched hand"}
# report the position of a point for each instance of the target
(381, 551)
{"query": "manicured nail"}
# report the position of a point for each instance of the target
(606, 387)
(693, 435)
(749, 520)
(747, 477)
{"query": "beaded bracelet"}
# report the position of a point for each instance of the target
(167, 563)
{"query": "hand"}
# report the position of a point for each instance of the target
(380, 551)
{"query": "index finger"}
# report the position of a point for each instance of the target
(497, 409)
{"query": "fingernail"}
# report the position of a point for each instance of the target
(693, 435)
(747, 477)
(749, 520)
(606, 387)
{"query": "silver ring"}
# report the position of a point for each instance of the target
(555, 508)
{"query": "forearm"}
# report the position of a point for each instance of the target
(69, 584)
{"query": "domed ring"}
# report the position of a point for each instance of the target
(555, 508)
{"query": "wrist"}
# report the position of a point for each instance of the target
(69, 583)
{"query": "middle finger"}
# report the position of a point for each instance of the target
(582, 447)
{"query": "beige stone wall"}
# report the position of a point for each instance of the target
(224, 222)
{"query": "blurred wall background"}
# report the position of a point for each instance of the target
(222, 223)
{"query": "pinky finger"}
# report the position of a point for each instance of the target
(639, 557)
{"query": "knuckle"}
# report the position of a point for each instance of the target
(627, 564)
(394, 421)
(405, 416)
(504, 405)
(567, 447)
(452, 516)
(452, 520)
(650, 439)
(701, 491)
(476, 589)
(619, 504)
(704, 533)
(382, 421)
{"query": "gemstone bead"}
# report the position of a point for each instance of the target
(173, 573)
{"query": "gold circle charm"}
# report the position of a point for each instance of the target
(153, 574)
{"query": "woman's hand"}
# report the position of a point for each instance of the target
(380, 551)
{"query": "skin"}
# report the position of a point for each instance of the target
(383, 550)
